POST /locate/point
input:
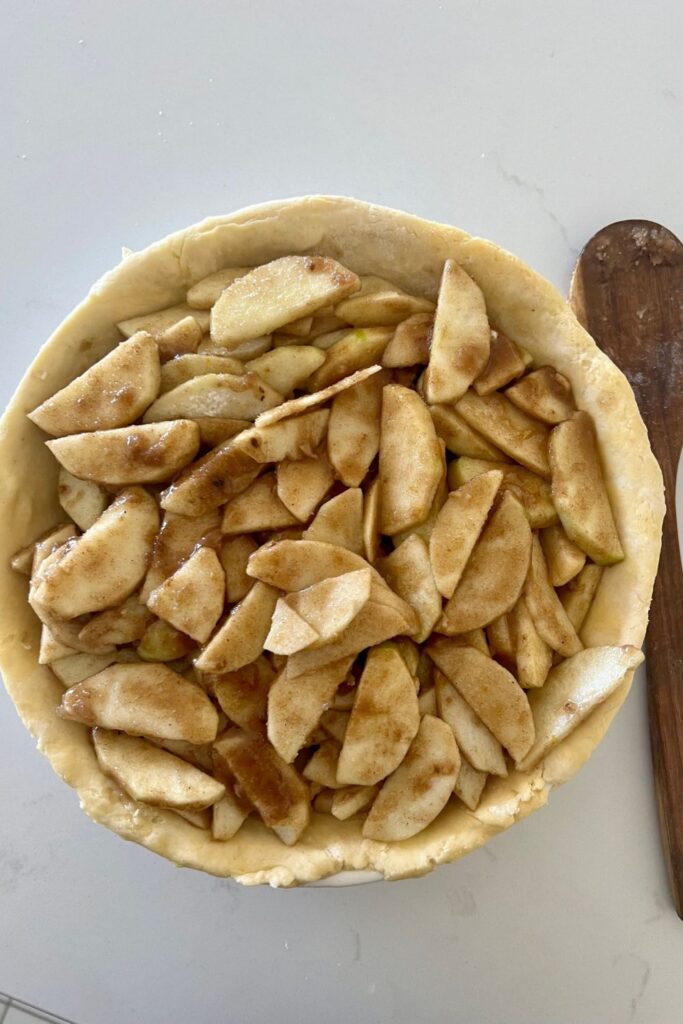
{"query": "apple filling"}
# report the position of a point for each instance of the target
(328, 548)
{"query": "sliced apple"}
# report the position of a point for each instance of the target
(295, 438)
(420, 787)
(357, 350)
(533, 656)
(549, 617)
(410, 343)
(295, 564)
(287, 368)
(274, 787)
(83, 500)
(544, 394)
(152, 775)
(240, 639)
(296, 704)
(505, 425)
(288, 632)
(243, 694)
(350, 800)
(215, 394)
(372, 514)
(495, 572)
(104, 566)
(384, 719)
(410, 463)
(181, 338)
(185, 367)
(426, 702)
(302, 484)
(205, 293)
(257, 508)
(74, 668)
(475, 638)
(579, 491)
(331, 605)
(300, 328)
(321, 768)
(457, 529)
(340, 521)
(504, 364)
(51, 649)
(324, 339)
(175, 542)
(214, 430)
(114, 392)
(501, 641)
(143, 700)
(157, 323)
(229, 814)
(491, 691)
(380, 302)
(234, 553)
(276, 293)
(408, 571)
(129, 455)
(531, 490)
(122, 625)
(325, 322)
(295, 406)
(410, 653)
(163, 642)
(424, 529)
(460, 339)
(211, 481)
(571, 691)
(469, 785)
(564, 559)
(578, 594)
(245, 351)
(459, 436)
(192, 598)
(353, 432)
(334, 723)
(475, 741)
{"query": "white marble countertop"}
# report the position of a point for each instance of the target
(532, 123)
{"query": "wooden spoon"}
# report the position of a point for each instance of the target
(627, 291)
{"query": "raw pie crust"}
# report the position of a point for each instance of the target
(410, 252)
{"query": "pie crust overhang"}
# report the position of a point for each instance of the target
(409, 251)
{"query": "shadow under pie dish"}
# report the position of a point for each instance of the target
(362, 632)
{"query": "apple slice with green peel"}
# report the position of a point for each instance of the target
(410, 460)
(410, 344)
(533, 657)
(331, 605)
(276, 293)
(354, 427)
(152, 775)
(544, 394)
(495, 572)
(240, 639)
(229, 814)
(459, 436)
(114, 392)
(571, 691)
(475, 741)
(146, 454)
(215, 394)
(501, 641)
(577, 596)
(296, 704)
(564, 559)
(531, 490)
(206, 292)
(384, 719)
(288, 368)
(457, 529)
(272, 786)
(243, 694)
(505, 425)
(579, 491)
(469, 785)
(142, 700)
(491, 691)
(549, 617)
(340, 521)
(302, 484)
(185, 367)
(82, 500)
(102, 567)
(408, 571)
(160, 321)
(420, 787)
(192, 599)
(122, 625)
(257, 508)
(351, 800)
(460, 339)
(505, 363)
(234, 553)
(357, 350)
(380, 302)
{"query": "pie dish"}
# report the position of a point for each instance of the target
(410, 253)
